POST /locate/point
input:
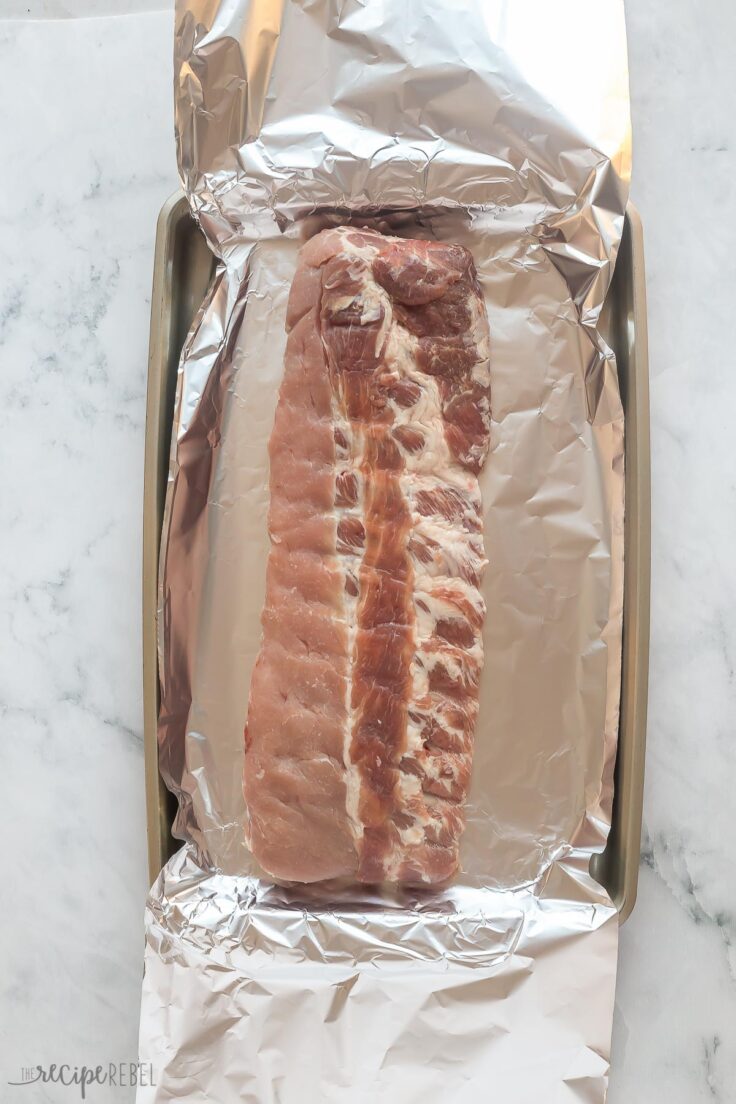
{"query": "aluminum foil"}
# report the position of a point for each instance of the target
(504, 127)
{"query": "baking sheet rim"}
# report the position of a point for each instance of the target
(618, 866)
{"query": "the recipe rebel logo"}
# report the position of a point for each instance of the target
(112, 1074)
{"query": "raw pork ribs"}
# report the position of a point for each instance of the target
(364, 696)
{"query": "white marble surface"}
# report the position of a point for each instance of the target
(88, 158)
(675, 1031)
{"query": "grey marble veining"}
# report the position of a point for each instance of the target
(88, 158)
(675, 1029)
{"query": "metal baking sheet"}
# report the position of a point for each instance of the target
(183, 269)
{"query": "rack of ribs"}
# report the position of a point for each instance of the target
(364, 696)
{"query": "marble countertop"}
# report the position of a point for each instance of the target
(85, 171)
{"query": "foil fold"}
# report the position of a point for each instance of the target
(503, 128)
(262, 1000)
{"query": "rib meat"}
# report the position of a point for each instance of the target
(364, 697)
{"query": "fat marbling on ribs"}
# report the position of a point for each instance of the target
(364, 696)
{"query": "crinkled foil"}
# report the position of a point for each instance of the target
(503, 126)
